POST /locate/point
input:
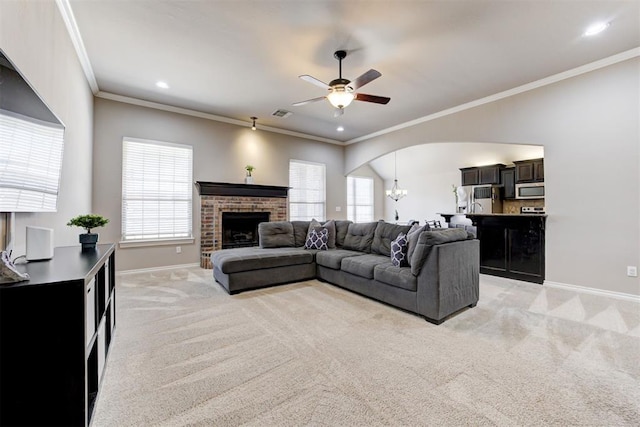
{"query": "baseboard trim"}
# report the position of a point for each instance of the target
(154, 269)
(593, 291)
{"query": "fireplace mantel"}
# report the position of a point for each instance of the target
(246, 190)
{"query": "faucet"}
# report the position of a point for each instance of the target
(472, 207)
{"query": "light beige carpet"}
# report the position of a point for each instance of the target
(187, 353)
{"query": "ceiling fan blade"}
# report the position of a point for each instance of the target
(367, 77)
(339, 112)
(372, 98)
(308, 101)
(313, 80)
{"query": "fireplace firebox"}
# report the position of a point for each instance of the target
(240, 229)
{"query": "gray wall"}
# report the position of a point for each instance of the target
(588, 126)
(34, 37)
(220, 153)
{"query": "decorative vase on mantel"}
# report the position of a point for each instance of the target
(248, 179)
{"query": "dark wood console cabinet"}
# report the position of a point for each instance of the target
(55, 334)
(512, 246)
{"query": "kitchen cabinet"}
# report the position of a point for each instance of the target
(481, 175)
(469, 176)
(55, 333)
(529, 170)
(489, 174)
(512, 246)
(508, 179)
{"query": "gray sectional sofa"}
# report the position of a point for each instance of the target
(441, 278)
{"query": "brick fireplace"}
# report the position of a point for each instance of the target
(218, 198)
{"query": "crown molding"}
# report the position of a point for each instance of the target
(194, 113)
(623, 56)
(78, 44)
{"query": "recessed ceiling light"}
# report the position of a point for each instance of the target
(340, 129)
(596, 28)
(161, 84)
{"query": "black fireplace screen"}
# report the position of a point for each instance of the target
(240, 229)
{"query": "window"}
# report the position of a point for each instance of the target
(30, 163)
(156, 190)
(359, 199)
(307, 194)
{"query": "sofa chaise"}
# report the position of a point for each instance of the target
(438, 277)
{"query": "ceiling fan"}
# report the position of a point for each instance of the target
(342, 91)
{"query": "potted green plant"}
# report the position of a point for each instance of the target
(248, 179)
(88, 239)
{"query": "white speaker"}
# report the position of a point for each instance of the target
(39, 243)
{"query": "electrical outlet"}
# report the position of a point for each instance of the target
(632, 271)
(178, 249)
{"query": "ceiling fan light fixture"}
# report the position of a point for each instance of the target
(340, 97)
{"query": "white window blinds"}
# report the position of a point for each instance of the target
(157, 190)
(30, 163)
(307, 194)
(359, 199)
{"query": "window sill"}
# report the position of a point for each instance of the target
(157, 242)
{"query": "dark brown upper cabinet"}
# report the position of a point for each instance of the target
(470, 176)
(529, 170)
(508, 177)
(481, 175)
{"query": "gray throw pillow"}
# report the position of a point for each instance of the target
(412, 239)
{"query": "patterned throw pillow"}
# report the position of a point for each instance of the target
(399, 251)
(317, 239)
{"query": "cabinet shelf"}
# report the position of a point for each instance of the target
(55, 334)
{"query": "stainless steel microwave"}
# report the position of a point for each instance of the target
(530, 190)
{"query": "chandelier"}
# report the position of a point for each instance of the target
(396, 193)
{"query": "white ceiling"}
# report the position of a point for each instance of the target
(237, 59)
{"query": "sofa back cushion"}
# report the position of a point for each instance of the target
(342, 226)
(300, 230)
(277, 234)
(428, 239)
(360, 236)
(385, 234)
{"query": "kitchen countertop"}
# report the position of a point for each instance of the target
(493, 214)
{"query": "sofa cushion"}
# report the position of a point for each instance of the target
(400, 277)
(363, 265)
(276, 234)
(412, 239)
(384, 234)
(342, 226)
(317, 239)
(300, 230)
(333, 258)
(331, 228)
(399, 251)
(428, 239)
(360, 236)
(246, 259)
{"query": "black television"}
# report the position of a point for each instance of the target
(31, 146)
